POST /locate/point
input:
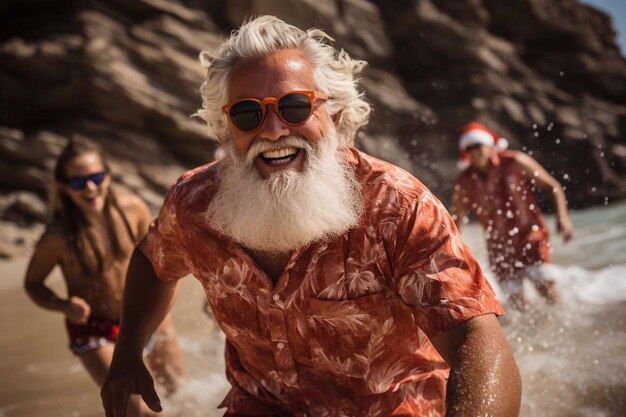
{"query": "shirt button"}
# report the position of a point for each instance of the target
(276, 297)
(280, 345)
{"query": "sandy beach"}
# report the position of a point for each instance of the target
(41, 377)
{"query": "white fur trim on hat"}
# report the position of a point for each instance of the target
(474, 137)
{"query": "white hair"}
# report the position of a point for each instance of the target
(334, 71)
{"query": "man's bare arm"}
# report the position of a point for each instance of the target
(147, 300)
(484, 379)
(535, 172)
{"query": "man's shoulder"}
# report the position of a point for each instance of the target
(200, 182)
(466, 174)
(377, 174)
(510, 156)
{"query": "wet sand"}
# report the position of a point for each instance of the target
(40, 376)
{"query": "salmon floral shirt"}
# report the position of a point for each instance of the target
(345, 330)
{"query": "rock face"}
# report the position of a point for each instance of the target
(546, 74)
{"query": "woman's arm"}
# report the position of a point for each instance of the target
(47, 255)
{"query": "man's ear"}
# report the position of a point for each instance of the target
(337, 118)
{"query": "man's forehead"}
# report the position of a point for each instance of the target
(281, 67)
(292, 59)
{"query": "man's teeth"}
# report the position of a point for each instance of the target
(280, 156)
(280, 153)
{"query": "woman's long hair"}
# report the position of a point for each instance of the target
(74, 223)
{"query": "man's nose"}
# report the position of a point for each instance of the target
(273, 127)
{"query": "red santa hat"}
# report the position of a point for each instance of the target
(475, 133)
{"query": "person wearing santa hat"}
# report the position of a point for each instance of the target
(498, 187)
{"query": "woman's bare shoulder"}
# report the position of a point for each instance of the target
(136, 211)
(132, 203)
(53, 239)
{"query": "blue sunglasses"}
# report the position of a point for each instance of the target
(80, 182)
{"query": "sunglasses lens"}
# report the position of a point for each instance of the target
(77, 183)
(246, 115)
(97, 178)
(295, 108)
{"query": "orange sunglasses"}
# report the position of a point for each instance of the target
(294, 108)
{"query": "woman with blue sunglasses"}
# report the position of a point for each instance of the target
(91, 236)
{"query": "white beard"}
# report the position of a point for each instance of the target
(289, 209)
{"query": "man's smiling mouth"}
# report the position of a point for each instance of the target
(280, 156)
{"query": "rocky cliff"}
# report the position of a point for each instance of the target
(546, 74)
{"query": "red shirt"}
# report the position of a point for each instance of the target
(504, 203)
(344, 332)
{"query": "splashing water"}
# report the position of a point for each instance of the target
(571, 355)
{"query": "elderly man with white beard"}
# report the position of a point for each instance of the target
(339, 280)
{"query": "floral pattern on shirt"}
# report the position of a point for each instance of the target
(345, 330)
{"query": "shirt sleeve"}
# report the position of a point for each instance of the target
(163, 244)
(435, 272)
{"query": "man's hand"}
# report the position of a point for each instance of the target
(125, 378)
(77, 310)
(565, 227)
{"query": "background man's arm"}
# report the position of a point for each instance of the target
(484, 379)
(147, 300)
(534, 171)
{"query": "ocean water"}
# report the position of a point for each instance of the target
(571, 356)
